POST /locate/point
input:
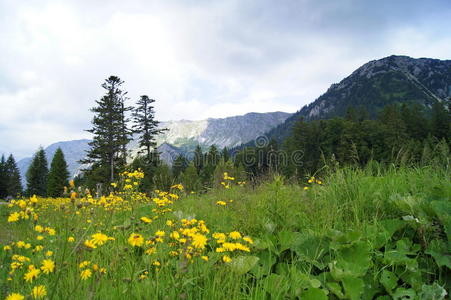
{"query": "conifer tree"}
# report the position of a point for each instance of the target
(198, 159)
(37, 175)
(179, 165)
(146, 126)
(14, 184)
(58, 175)
(106, 155)
(3, 177)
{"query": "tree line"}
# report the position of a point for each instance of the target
(40, 180)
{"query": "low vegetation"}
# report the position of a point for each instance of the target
(373, 233)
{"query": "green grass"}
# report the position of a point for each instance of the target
(333, 240)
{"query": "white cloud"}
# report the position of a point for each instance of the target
(198, 59)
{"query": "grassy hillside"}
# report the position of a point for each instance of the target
(356, 234)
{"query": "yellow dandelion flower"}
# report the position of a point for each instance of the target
(31, 274)
(235, 235)
(71, 239)
(136, 240)
(14, 296)
(221, 203)
(248, 239)
(39, 291)
(99, 238)
(39, 228)
(13, 217)
(146, 220)
(48, 266)
(85, 274)
(90, 244)
(199, 241)
(204, 257)
(226, 259)
(84, 264)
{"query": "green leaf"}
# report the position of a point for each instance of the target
(443, 211)
(243, 264)
(440, 252)
(335, 288)
(353, 261)
(314, 294)
(432, 292)
(353, 287)
(276, 284)
(404, 294)
(389, 280)
(289, 239)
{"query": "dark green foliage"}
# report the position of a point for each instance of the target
(107, 155)
(179, 165)
(58, 175)
(10, 178)
(37, 175)
(3, 177)
(198, 159)
(146, 126)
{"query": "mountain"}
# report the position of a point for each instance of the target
(73, 152)
(181, 137)
(390, 80)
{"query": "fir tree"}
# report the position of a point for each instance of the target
(179, 165)
(146, 126)
(3, 177)
(58, 175)
(110, 132)
(37, 175)
(14, 185)
(198, 159)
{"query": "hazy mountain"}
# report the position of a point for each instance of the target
(181, 137)
(394, 79)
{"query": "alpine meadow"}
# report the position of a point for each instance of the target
(218, 165)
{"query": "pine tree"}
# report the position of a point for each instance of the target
(179, 165)
(225, 154)
(14, 185)
(146, 126)
(58, 175)
(3, 177)
(198, 159)
(440, 122)
(37, 175)
(106, 155)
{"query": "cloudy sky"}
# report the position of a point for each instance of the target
(199, 59)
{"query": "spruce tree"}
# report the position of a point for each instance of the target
(3, 177)
(106, 155)
(179, 165)
(146, 126)
(37, 175)
(14, 184)
(198, 159)
(58, 175)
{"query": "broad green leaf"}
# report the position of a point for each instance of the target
(404, 294)
(314, 294)
(353, 287)
(335, 288)
(443, 211)
(276, 284)
(243, 264)
(389, 280)
(432, 292)
(440, 252)
(353, 261)
(289, 239)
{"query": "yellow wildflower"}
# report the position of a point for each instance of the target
(226, 259)
(136, 240)
(14, 217)
(39, 291)
(48, 266)
(31, 274)
(235, 235)
(85, 274)
(199, 241)
(14, 296)
(146, 220)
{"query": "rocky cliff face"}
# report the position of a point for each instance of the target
(181, 136)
